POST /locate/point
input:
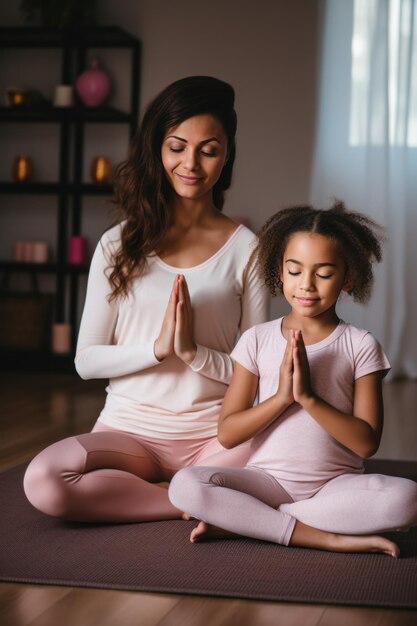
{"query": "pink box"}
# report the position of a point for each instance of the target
(19, 251)
(77, 250)
(61, 338)
(40, 252)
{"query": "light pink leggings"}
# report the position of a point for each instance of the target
(109, 476)
(252, 503)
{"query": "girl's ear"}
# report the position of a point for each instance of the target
(347, 285)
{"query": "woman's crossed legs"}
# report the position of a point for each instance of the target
(110, 476)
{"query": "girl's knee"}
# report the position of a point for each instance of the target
(181, 486)
(409, 502)
(186, 488)
(399, 504)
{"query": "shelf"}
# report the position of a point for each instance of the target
(42, 268)
(67, 187)
(36, 360)
(57, 115)
(88, 189)
(91, 37)
(94, 189)
(31, 188)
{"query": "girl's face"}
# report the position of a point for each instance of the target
(313, 274)
(193, 155)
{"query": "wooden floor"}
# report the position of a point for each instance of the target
(37, 409)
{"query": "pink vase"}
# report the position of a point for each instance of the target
(93, 85)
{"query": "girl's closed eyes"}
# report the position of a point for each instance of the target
(317, 274)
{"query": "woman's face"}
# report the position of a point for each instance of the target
(193, 155)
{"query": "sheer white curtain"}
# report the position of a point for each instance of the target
(366, 153)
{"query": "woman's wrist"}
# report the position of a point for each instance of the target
(158, 351)
(188, 356)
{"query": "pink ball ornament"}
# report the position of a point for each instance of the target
(93, 86)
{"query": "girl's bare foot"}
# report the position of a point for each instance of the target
(207, 531)
(308, 537)
(366, 543)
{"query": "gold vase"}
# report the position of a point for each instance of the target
(16, 97)
(22, 168)
(100, 170)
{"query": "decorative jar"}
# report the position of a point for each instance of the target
(100, 170)
(93, 86)
(22, 168)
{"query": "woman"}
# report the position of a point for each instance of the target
(168, 293)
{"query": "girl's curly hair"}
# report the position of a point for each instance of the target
(358, 236)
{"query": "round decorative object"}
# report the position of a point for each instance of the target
(15, 97)
(100, 170)
(93, 86)
(22, 168)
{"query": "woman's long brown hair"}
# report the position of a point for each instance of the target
(142, 192)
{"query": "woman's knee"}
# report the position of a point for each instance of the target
(49, 476)
(41, 489)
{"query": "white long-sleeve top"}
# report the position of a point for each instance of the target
(168, 399)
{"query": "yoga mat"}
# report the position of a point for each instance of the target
(158, 557)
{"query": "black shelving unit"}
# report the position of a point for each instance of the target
(69, 189)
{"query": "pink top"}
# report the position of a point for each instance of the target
(168, 399)
(295, 447)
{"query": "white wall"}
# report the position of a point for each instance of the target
(267, 49)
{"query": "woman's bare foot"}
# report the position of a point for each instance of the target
(207, 531)
(308, 537)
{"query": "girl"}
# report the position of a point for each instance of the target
(320, 408)
(167, 295)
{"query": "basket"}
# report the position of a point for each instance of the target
(25, 320)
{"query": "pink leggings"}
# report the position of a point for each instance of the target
(108, 475)
(252, 503)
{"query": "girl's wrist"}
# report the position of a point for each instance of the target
(307, 401)
(282, 402)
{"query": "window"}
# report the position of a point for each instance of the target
(384, 73)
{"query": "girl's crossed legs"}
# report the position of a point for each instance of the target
(252, 503)
(110, 476)
(359, 504)
(243, 501)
